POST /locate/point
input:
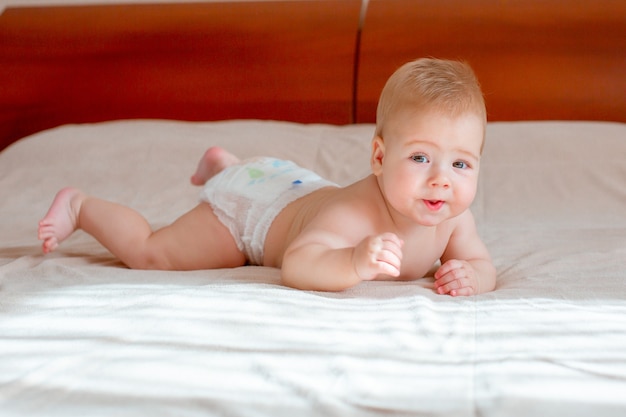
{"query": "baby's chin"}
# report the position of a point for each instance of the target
(435, 219)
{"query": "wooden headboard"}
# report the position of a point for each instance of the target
(535, 59)
(304, 61)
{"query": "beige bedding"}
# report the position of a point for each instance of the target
(81, 335)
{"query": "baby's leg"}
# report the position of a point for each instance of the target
(214, 160)
(197, 240)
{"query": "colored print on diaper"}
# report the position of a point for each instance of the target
(295, 184)
(255, 173)
(273, 170)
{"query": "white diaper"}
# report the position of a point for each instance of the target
(247, 197)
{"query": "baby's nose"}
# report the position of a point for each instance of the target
(440, 180)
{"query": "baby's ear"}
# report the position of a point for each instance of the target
(378, 154)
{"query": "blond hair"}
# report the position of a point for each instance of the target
(448, 86)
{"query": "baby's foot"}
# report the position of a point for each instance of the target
(61, 220)
(214, 160)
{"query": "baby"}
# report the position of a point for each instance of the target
(397, 223)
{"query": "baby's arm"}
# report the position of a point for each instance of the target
(466, 265)
(324, 261)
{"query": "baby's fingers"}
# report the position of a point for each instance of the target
(387, 254)
(382, 255)
(391, 244)
(456, 287)
(455, 278)
(388, 262)
(449, 267)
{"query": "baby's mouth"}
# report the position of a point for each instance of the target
(434, 205)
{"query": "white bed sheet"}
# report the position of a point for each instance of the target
(82, 335)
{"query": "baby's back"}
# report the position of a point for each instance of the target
(291, 221)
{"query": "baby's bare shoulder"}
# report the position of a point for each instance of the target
(348, 211)
(347, 208)
(464, 222)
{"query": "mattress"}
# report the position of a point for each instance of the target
(81, 334)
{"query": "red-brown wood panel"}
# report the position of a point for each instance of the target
(536, 59)
(289, 60)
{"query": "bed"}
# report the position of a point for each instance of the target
(122, 99)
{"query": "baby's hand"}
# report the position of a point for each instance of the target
(377, 255)
(456, 277)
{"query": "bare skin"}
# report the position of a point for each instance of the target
(393, 224)
(61, 220)
(197, 240)
(214, 160)
(412, 211)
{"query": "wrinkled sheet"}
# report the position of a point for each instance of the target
(81, 335)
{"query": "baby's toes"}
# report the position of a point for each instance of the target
(45, 232)
(50, 244)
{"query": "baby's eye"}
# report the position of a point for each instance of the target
(460, 165)
(422, 159)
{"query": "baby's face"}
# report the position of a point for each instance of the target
(429, 170)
